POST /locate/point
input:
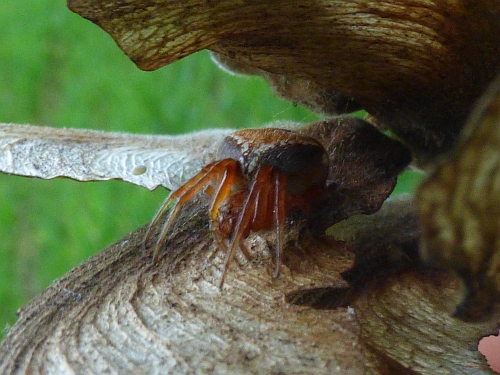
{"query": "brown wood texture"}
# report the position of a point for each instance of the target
(417, 65)
(119, 313)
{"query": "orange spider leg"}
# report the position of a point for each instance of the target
(175, 194)
(245, 251)
(261, 177)
(224, 188)
(184, 193)
(222, 245)
(261, 216)
(279, 216)
(209, 190)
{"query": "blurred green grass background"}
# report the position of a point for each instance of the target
(60, 70)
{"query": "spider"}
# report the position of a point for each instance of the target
(260, 176)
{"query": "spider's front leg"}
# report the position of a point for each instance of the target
(263, 208)
(279, 180)
(210, 173)
(231, 181)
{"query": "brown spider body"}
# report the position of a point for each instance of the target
(259, 177)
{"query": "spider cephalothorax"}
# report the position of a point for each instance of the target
(260, 176)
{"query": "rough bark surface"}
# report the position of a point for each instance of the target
(119, 313)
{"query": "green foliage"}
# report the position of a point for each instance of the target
(58, 69)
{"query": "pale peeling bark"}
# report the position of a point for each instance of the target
(88, 155)
(119, 313)
(417, 65)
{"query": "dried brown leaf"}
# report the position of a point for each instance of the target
(137, 317)
(417, 65)
(364, 165)
(377, 310)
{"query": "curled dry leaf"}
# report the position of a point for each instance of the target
(364, 165)
(460, 209)
(188, 273)
(417, 65)
(133, 316)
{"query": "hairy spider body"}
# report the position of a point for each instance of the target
(259, 177)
